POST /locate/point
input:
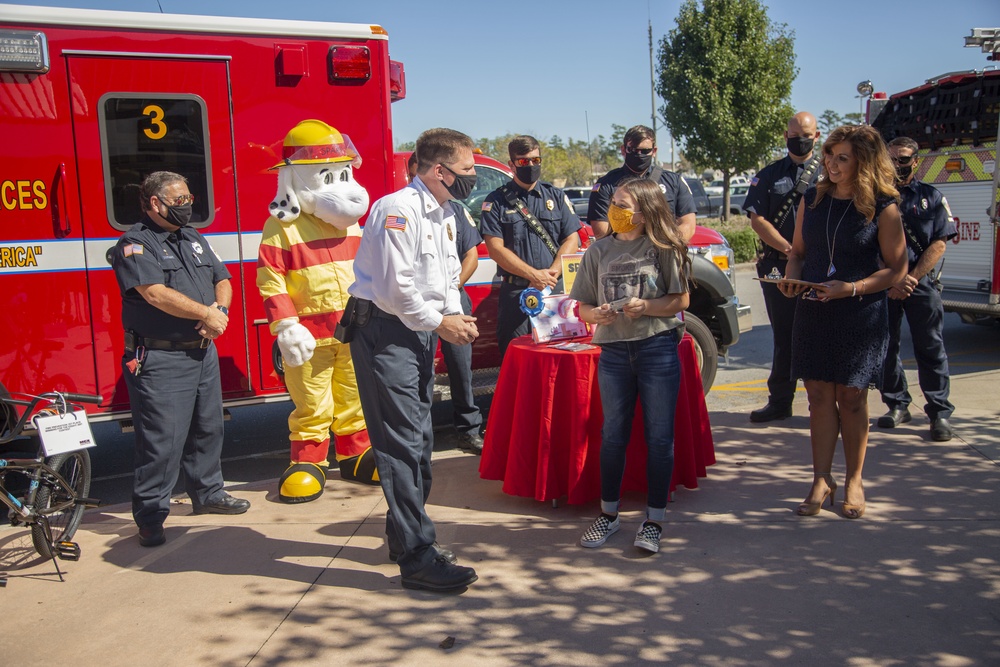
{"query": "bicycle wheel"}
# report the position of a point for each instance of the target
(75, 469)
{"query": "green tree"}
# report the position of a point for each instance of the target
(828, 120)
(854, 118)
(726, 74)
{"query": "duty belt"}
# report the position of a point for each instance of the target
(133, 341)
(516, 281)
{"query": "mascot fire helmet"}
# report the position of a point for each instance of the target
(315, 142)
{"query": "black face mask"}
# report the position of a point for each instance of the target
(179, 216)
(638, 163)
(462, 185)
(903, 172)
(799, 146)
(529, 174)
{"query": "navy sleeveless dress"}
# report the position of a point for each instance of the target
(843, 341)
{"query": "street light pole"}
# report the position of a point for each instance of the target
(652, 79)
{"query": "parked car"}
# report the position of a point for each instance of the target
(580, 198)
(737, 195)
(715, 187)
(701, 199)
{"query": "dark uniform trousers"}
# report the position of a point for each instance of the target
(781, 314)
(513, 322)
(925, 317)
(177, 416)
(395, 371)
(458, 358)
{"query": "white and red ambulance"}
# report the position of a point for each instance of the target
(92, 101)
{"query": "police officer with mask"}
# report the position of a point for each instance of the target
(639, 153)
(771, 203)
(175, 303)
(928, 225)
(528, 225)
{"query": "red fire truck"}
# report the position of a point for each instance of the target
(954, 119)
(91, 101)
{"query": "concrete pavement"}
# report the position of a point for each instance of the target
(740, 579)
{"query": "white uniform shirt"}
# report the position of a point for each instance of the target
(407, 263)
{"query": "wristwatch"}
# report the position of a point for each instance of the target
(225, 311)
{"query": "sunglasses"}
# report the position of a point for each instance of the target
(902, 160)
(631, 150)
(180, 200)
(527, 161)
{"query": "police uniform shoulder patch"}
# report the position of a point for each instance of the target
(396, 223)
(549, 204)
(132, 249)
(947, 209)
(567, 201)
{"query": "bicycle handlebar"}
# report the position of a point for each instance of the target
(83, 398)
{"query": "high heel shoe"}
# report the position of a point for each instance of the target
(811, 509)
(853, 511)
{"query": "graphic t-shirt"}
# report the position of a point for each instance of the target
(613, 270)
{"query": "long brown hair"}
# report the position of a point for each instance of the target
(659, 219)
(875, 175)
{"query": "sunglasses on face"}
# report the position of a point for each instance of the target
(632, 150)
(527, 161)
(902, 160)
(180, 200)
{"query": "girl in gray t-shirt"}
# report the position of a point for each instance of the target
(632, 284)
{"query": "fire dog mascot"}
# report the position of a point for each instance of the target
(305, 265)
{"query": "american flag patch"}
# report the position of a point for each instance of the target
(132, 249)
(597, 186)
(396, 222)
(753, 181)
(487, 205)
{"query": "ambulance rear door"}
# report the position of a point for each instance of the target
(132, 115)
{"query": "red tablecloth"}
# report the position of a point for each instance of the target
(543, 436)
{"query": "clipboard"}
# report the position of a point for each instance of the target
(790, 281)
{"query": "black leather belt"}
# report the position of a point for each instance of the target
(516, 281)
(132, 341)
(378, 312)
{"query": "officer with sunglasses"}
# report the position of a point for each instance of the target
(639, 153)
(525, 257)
(928, 225)
(175, 304)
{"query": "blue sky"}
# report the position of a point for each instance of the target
(554, 67)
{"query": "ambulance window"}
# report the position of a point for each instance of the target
(141, 134)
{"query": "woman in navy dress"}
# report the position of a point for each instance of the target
(849, 239)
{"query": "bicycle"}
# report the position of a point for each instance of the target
(46, 493)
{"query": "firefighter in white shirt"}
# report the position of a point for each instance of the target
(405, 295)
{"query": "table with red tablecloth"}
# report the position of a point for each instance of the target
(543, 435)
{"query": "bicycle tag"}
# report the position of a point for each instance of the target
(64, 433)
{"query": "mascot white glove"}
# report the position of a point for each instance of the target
(295, 342)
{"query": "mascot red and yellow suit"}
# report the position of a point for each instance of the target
(304, 267)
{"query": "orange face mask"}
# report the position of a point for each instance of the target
(620, 219)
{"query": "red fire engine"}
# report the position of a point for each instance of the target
(92, 101)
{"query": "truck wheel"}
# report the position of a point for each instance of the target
(705, 347)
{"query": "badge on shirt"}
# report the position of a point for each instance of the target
(132, 249)
(451, 236)
(923, 203)
(487, 206)
(196, 247)
(396, 223)
(549, 204)
(663, 188)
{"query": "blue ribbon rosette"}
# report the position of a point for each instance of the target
(533, 300)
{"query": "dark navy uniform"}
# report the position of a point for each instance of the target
(176, 394)
(674, 188)
(767, 192)
(552, 208)
(458, 358)
(925, 219)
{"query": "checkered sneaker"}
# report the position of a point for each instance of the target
(648, 537)
(599, 532)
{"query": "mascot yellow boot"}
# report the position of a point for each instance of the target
(304, 267)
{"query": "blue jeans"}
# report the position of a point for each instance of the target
(649, 370)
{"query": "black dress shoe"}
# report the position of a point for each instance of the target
(152, 536)
(770, 413)
(227, 504)
(440, 575)
(471, 442)
(894, 418)
(941, 430)
(442, 552)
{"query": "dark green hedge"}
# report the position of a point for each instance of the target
(738, 233)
